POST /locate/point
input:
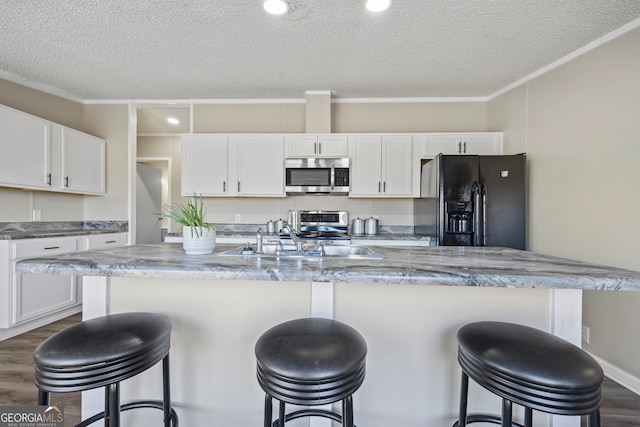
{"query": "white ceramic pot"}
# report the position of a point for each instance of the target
(201, 243)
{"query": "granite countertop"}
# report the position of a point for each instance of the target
(40, 230)
(439, 265)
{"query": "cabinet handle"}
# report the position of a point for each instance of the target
(110, 241)
(319, 147)
(459, 147)
(238, 186)
(384, 186)
(66, 182)
(51, 247)
(378, 186)
(49, 179)
(224, 186)
(465, 147)
(315, 148)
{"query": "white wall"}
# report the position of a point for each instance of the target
(580, 127)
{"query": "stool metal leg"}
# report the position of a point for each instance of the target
(594, 419)
(112, 416)
(528, 417)
(281, 414)
(166, 392)
(43, 397)
(506, 413)
(347, 412)
(268, 411)
(464, 391)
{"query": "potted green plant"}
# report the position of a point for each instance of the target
(198, 236)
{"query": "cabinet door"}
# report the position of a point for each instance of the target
(397, 165)
(366, 159)
(316, 146)
(37, 295)
(435, 144)
(479, 143)
(301, 145)
(26, 149)
(205, 165)
(260, 165)
(83, 162)
(332, 146)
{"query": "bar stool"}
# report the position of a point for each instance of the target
(310, 362)
(529, 367)
(101, 352)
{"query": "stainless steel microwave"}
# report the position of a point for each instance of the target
(317, 175)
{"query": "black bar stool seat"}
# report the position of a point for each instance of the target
(101, 352)
(529, 367)
(310, 362)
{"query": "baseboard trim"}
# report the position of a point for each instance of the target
(620, 376)
(38, 322)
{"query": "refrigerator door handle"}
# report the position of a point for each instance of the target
(483, 195)
(476, 196)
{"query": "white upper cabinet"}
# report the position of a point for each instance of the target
(205, 165)
(233, 165)
(260, 165)
(381, 165)
(461, 143)
(25, 143)
(41, 155)
(322, 145)
(82, 162)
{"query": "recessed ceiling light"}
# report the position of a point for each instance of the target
(275, 7)
(378, 5)
(173, 121)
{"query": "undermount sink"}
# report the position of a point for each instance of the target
(308, 251)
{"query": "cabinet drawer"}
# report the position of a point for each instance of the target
(100, 241)
(43, 247)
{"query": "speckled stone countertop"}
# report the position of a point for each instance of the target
(454, 266)
(39, 230)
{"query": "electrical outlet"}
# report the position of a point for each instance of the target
(36, 215)
(586, 334)
(238, 219)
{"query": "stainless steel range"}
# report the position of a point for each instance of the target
(326, 225)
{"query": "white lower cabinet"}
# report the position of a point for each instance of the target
(31, 300)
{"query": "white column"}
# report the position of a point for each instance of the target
(566, 323)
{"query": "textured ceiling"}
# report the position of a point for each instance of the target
(214, 49)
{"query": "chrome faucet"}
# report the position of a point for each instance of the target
(294, 237)
(259, 241)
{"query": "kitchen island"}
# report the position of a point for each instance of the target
(408, 307)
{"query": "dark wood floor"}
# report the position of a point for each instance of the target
(620, 408)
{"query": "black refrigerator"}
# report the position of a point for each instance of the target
(473, 200)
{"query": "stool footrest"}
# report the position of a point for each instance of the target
(157, 404)
(310, 413)
(484, 418)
